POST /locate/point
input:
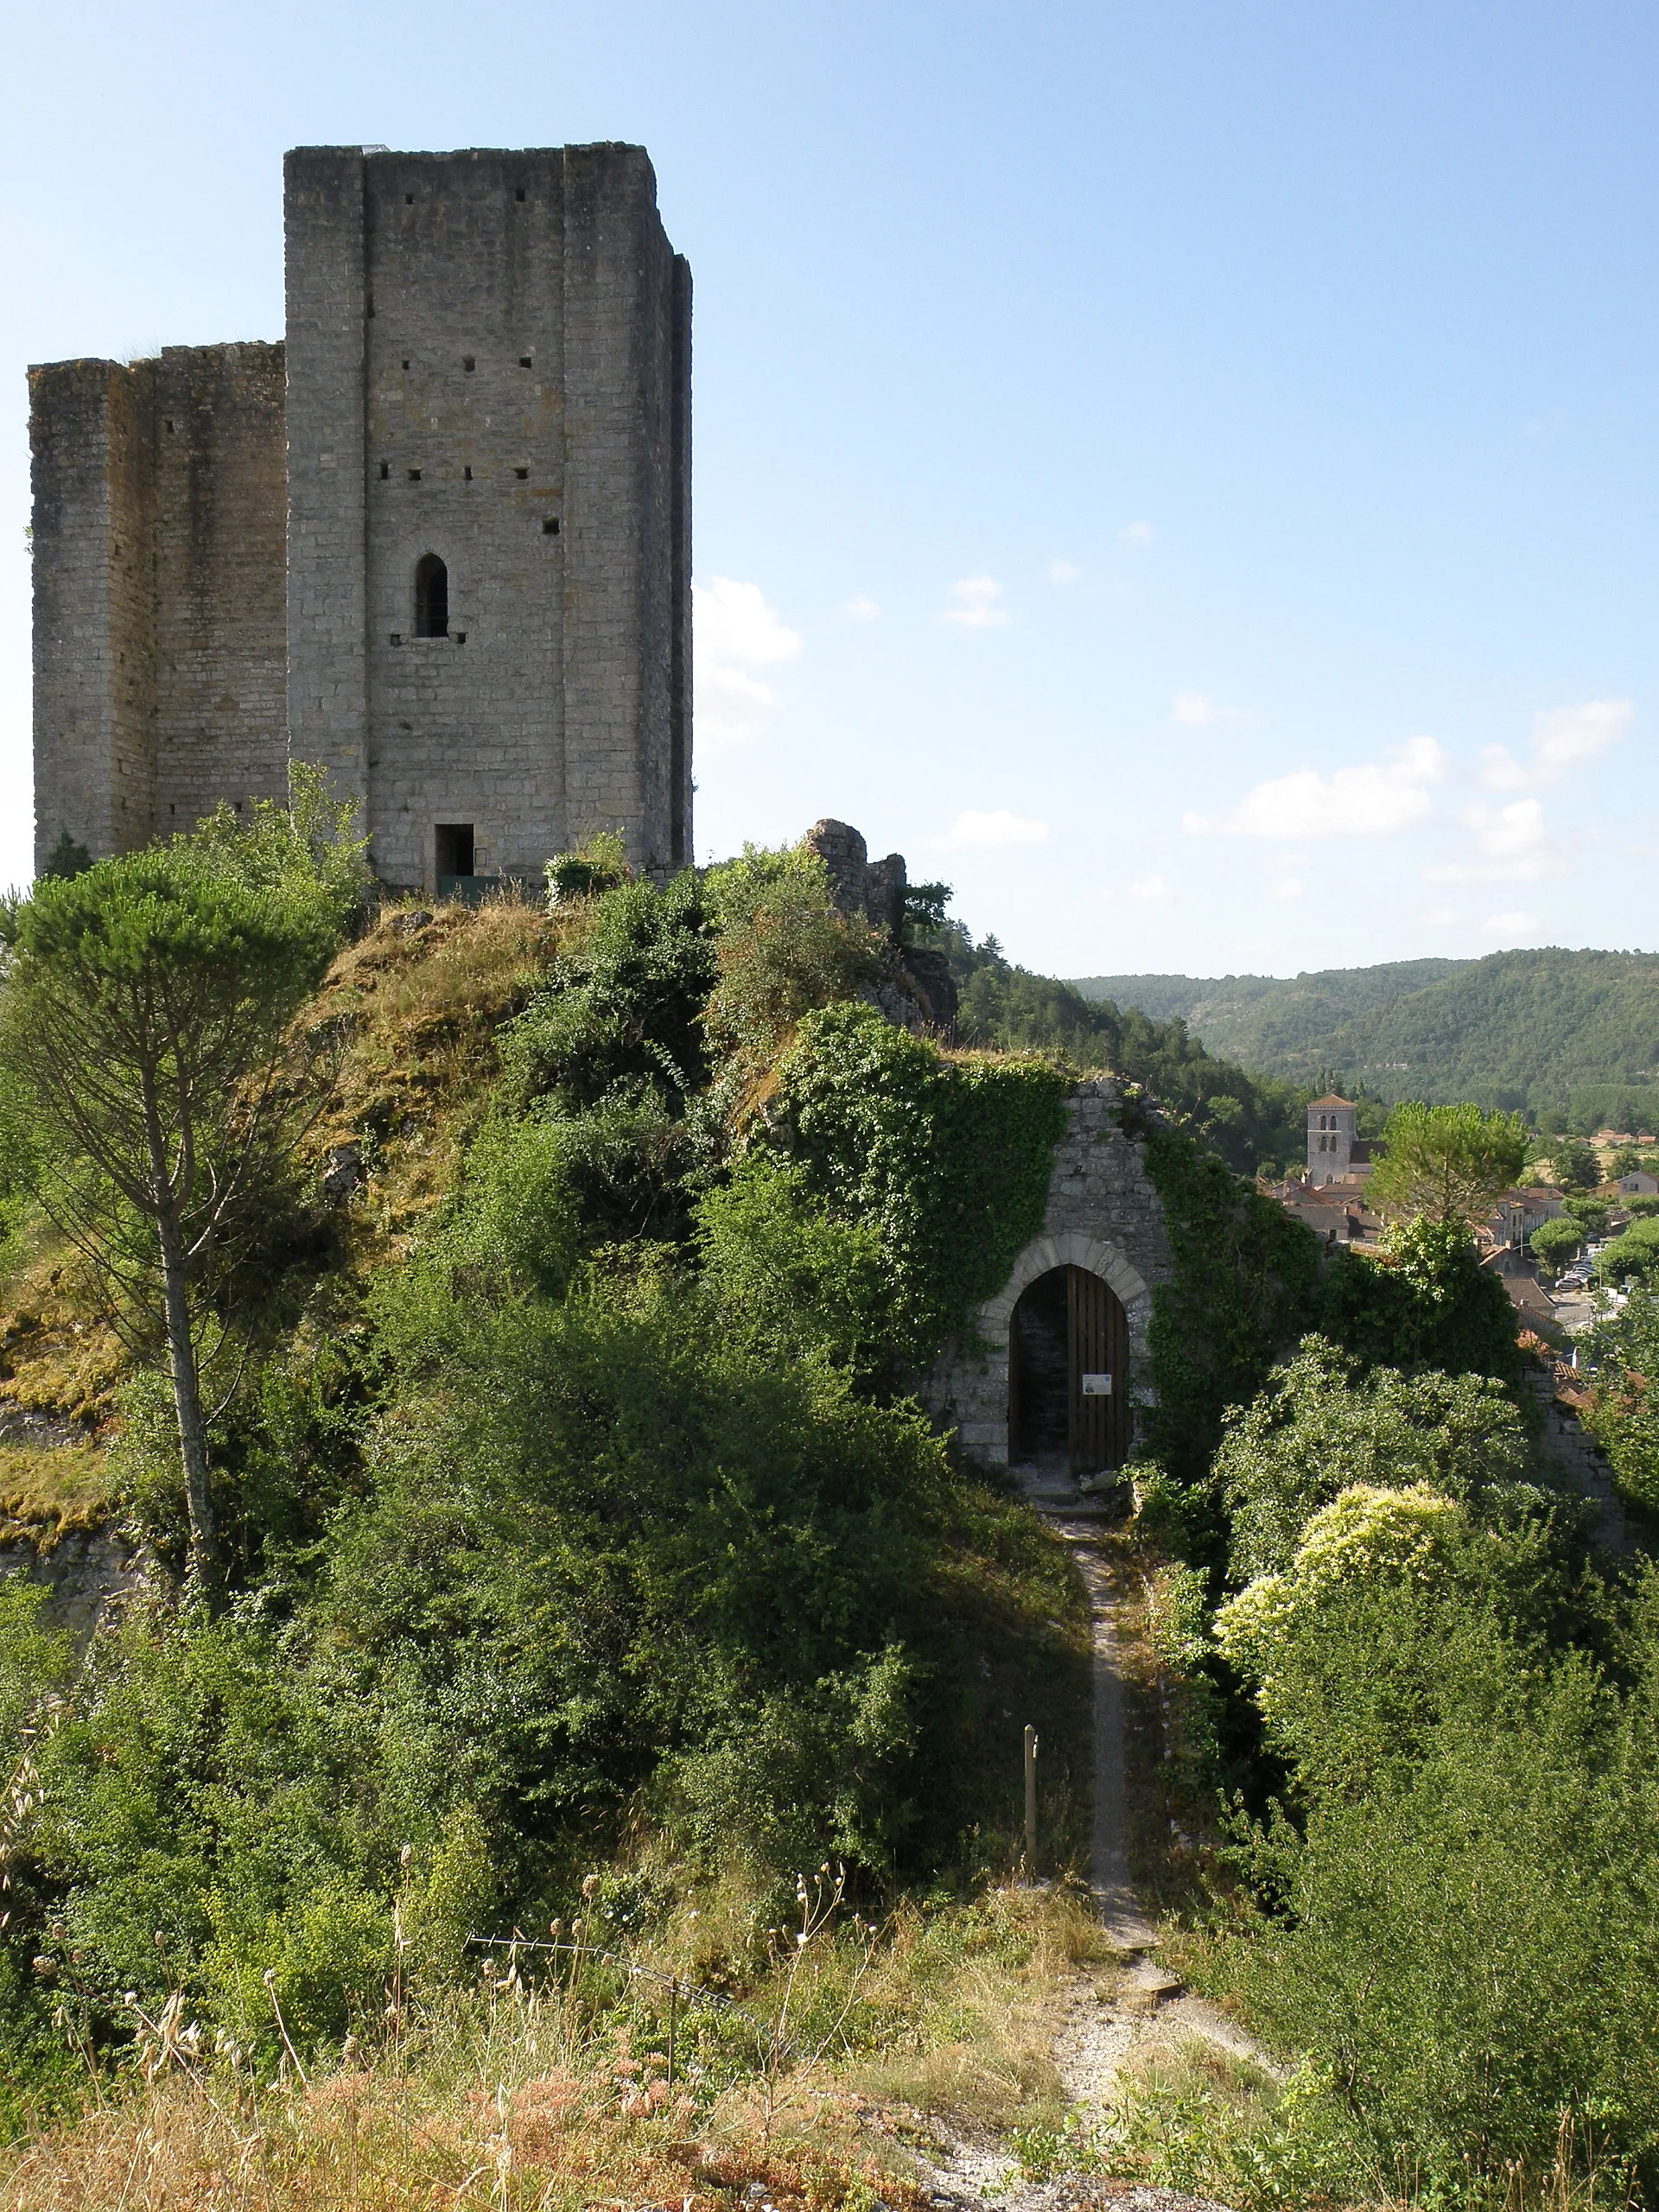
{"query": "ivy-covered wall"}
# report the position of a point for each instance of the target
(1101, 1212)
(946, 1154)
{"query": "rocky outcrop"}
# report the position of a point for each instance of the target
(915, 989)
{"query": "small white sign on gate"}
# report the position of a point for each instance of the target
(1097, 1386)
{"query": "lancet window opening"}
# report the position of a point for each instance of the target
(431, 597)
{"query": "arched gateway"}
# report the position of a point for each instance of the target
(1054, 1366)
(1069, 1373)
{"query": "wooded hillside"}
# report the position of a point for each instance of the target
(1560, 1034)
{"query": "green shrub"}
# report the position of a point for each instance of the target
(626, 1009)
(599, 865)
(780, 1265)
(1425, 1301)
(1325, 1424)
(783, 949)
(1465, 1936)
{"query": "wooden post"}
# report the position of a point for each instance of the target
(1031, 1802)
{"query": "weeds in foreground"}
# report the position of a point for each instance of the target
(551, 2084)
(1188, 2117)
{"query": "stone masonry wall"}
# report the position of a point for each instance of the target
(92, 456)
(327, 575)
(488, 362)
(158, 592)
(220, 708)
(1102, 1214)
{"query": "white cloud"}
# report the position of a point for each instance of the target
(1511, 845)
(733, 623)
(1442, 918)
(1560, 740)
(1509, 925)
(1137, 533)
(1375, 799)
(976, 607)
(732, 707)
(992, 832)
(1288, 886)
(735, 630)
(1152, 889)
(1198, 711)
(1063, 572)
(860, 609)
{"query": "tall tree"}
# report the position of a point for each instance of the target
(1447, 1162)
(143, 1025)
(1576, 1165)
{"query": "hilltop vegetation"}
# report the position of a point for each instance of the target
(587, 1567)
(1571, 1038)
(571, 1506)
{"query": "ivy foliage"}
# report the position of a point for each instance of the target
(1244, 1287)
(945, 1156)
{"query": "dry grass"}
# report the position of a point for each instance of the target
(419, 1007)
(973, 2008)
(523, 2099)
(517, 2128)
(47, 1490)
(58, 1355)
(464, 970)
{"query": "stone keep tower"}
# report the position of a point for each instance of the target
(439, 543)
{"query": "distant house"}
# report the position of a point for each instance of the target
(1336, 1152)
(1517, 1213)
(1640, 1185)
(1532, 1304)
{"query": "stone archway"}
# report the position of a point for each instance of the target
(1067, 1255)
(1104, 1217)
(1070, 1399)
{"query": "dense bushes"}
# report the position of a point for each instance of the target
(1424, 1301)
(1325, 1422)
(593, 1519)
(1460, 1928)
(616, 1560)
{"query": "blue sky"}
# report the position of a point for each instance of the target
(1186, 474)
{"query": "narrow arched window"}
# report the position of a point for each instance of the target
(431, 597)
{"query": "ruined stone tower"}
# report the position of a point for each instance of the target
(439, 543)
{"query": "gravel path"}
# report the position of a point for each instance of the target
(1110, 2015)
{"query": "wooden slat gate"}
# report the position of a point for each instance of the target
(1097, 1343)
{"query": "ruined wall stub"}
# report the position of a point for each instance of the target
(158, 591)
(1102, 1214)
